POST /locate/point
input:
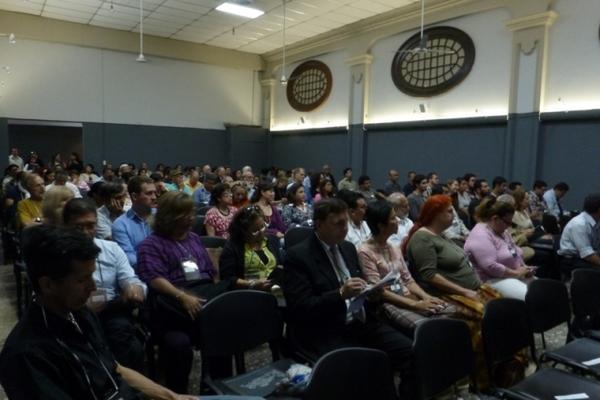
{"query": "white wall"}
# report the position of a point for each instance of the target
(484, 92)
(61, 82)
(332, 113)
(573, 80)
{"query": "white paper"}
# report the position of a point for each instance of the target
(576, 396)
(592, 362)
(387, 280)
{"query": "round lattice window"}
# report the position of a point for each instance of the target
(445, 61)
(309, 85)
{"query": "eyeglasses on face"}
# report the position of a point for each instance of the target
(259, 231)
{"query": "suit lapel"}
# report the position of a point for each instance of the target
(322, 262)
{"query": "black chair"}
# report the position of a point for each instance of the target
(443, 355)
(548, 306)
(352, 373)
(296, 235)
(505, 331)
(585, 299)
(213, 242)
(233, 323)
(199, 228)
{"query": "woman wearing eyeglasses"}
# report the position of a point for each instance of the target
(496, 257)
(250, 256)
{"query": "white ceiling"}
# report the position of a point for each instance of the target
(198, 21)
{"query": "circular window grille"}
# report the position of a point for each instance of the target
(309, 85)
(446, 61)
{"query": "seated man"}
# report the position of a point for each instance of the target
(61, 178)
(417, 198)
(553, 198)
(201, 196)
(358, 230)
(537, 204)
(576, 241)
(29, 211)
(320, 276)
(405, 224)
(364, 188)
(57, 350)
(119, 289)
(131, 228)
(113, 197)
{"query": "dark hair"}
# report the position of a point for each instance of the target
(61, 175)
(322, 185)
(156, 177)
(238, 228)
(350, 198)
(77, 207)
(378, 212)
(418, 179)
(437, 189)
(468, 176)
(591, 204)
(562, 186)
(499, 180)
(110, 189)
(514, 185)
(346, 170)
(363, 178)
(478, 183)
(539, 184)
(211, 177)
(328, 206)
(106, 169)
(291, 192)
(217, 192)
(430, 175)
(50, 250)
(262, 186)
(96, 188)
(489, 208)
(135, 184)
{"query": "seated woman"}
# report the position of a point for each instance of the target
(404, 304)
(250, 257)
(239, 194)
(496, 257)
(219, 217)
(280, 188)
(297, 212)
(176, 267)
(326, 190)
(523, 226)
(264, 197)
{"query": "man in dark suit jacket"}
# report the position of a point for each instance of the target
(320, 276)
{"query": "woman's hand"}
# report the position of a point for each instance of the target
(192, 304)
(261, 284)
(435, 300)
(427, 305)
(471, 294)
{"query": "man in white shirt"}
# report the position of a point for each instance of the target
(62, 179)
(15, 159)
(576, 239)
(358, 230)
(400, 204)
(553, 197)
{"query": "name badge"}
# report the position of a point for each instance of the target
(191, 271)
(98, 297)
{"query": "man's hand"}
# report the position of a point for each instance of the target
(192, 304)
(133, 294)
(352, 287)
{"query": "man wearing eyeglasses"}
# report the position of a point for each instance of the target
(321, 276)
(57, 351)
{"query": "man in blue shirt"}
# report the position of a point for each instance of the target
(553, 197)
(576, 242)
(201, 196)
(119, 290)
(131, 228)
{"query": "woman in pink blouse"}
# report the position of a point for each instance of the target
(219, 217)
(494, 254)
(405, 302)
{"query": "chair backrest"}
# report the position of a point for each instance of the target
(213, 242)
(296, 235)
(443, 354)
(352, 373)
(505, 330)
(585, 296)
(199, 228)
(240, 320)
(547, 302)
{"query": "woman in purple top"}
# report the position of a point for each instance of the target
(496, 258)
(264, 196)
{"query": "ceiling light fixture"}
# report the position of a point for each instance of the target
(242, 11)
(141, 57)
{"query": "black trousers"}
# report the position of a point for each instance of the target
(176, 358)
(122, 336)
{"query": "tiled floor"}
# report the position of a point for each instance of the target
(555, 338)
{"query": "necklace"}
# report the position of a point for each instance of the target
(224, 213)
